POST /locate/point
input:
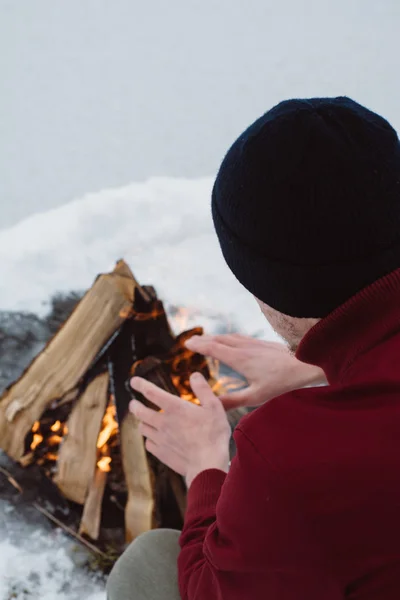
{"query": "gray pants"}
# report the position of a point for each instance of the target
(147, 570)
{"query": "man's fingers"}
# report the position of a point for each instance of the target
(202, 390)
(229, 339)
(211, 347)
(153, 448)
(148, 432)
(144, 414)
(157, 450)
(235, 399)
(167, 457)
(156, 395)
(226, 339)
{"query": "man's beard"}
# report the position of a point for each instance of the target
(290, 337)
(293, 346)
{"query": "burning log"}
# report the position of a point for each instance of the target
(78, 454)
(140, 502)
(58, 370)
(148, 332)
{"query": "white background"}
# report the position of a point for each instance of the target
(100, 93)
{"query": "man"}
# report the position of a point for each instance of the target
(306, 206)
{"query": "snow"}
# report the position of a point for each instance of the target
(47, 573)
(163, 229)
(39, 562)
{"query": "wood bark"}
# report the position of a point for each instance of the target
(140, 504)
(59, 368)
(91, 516)
(78, 453)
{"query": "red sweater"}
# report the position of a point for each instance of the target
(310, 509)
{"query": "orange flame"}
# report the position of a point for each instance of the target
(104, 464)
(156, 312)
(182, 363)
(109, 426)
(126, 312)
(51, 456)
(53, 440)
(222, 384)
(37, 439)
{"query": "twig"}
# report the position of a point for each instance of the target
(52, 518)
(11, 479)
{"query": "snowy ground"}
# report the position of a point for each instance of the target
(41, 563)
(163, 229)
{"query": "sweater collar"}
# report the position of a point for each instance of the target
(364, 321)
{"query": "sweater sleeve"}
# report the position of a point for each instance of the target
(244, 537)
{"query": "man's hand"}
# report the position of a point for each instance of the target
(269, 367)
(186, 437)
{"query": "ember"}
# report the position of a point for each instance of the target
(37, 439)
(54, 440)
(56, 426)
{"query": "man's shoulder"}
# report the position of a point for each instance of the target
(286, 410)
(285, 430)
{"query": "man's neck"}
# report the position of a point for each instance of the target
(364, 321)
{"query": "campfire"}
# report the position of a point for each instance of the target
(68, 412)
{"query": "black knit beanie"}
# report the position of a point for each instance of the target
(306, 204)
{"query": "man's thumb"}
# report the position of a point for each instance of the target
(202, 390)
